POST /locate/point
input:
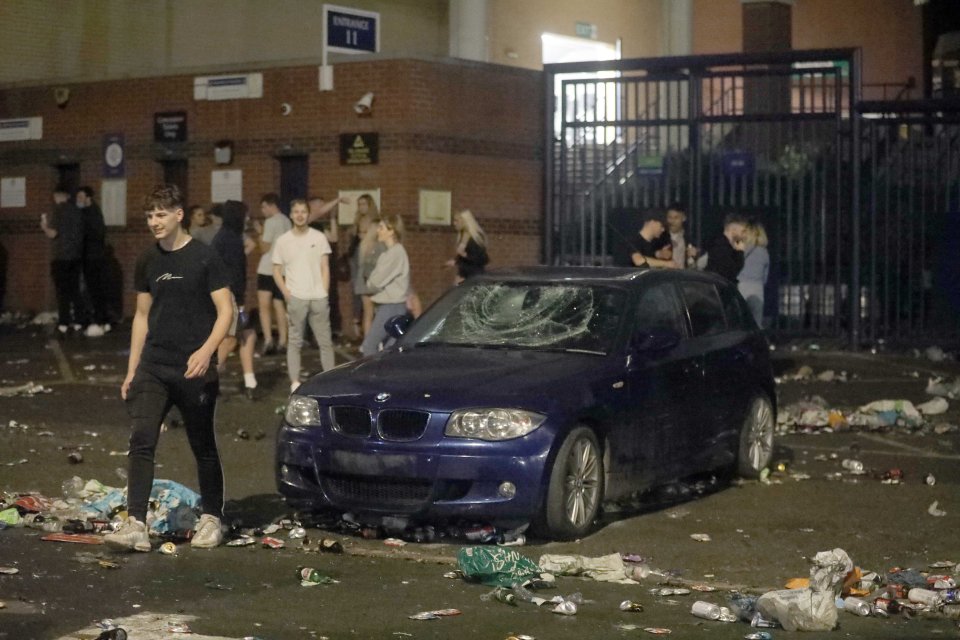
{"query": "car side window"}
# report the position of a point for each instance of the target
(735, 310)
(704, 308)
(658, 309)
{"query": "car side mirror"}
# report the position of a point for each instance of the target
(654, 340)
(396, 326)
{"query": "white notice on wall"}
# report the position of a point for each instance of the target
(113, 202)
(13, 192)
(226, 185)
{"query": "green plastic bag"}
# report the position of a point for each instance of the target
(496, 566)
(11, 517)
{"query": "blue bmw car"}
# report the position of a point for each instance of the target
(535, 395)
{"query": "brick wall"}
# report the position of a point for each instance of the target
(472, 129)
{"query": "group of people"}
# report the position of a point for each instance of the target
(739, 253)
(77, 232)
(190, 314)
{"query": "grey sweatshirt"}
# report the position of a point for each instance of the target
(390, 279)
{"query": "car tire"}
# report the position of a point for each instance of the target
(575, 492)
(756, 438)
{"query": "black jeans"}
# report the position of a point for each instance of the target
(66, 282)
(155, 388)
(93, 276)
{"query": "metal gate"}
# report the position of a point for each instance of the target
(910, 155)
(772, 136)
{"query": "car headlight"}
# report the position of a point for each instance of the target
(492, 424)
(302, 412)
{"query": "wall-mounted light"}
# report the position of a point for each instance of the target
(223, 152)
(364, 106)
(62, 96)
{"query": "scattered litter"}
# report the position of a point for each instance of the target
(394, 542)
(497, 566)
(630, 605)
(168, 548)
(934, 510)
(658, 631)
(435, 615)
(940, 387)
(934, 407)
(310, 577)
(701, 537)
(609, 568)
(9, 571)
(28, 390)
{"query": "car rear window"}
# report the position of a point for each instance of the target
(703, 307)
(735, 310)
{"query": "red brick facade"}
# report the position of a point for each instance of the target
(472, 129)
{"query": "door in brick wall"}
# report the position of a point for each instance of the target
(175, 172)
(68, 176)
(294, 179)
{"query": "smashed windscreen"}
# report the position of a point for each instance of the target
(526, 315)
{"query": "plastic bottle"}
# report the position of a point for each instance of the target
(705, 610)
(857, 606)
(71, 488)
(309, 574)
(852, 465)
(924, 596)
(500, 594)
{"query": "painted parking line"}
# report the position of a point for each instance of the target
(146, 626)
(901, 449)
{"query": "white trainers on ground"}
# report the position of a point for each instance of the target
(62, 328)
(94, 331)
(208, 534)
(131, 536)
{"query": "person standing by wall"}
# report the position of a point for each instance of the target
(301, 269)
(323, 218)
(184, 310)
(361, 245)
(683, 252)
(229, 244)
(390, 281)
(471, 257)
(756, 268)
(65, 229)
(94, 256)
(269, 297)
(203, 226)
(725, 251)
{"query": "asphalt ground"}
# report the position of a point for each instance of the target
(761, 534)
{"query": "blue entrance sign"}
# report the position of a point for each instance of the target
(351, 30)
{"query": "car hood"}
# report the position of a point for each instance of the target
(444, 378)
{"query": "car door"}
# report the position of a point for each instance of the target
(708, 406)
(661, 382)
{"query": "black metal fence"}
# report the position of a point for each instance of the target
(856, 196)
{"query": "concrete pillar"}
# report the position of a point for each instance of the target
(767, 27)
(677, 27)
(468, 30)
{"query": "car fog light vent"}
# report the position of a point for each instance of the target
(507, 489)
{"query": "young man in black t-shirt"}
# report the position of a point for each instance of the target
(184, 310)
(641, 250)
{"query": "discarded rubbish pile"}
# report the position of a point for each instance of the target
(89, 507)
(813, 414)
(815, 603)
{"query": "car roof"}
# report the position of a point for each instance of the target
(597, 275)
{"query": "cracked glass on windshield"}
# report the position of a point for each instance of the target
(572, 317)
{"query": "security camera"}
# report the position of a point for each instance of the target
(364, 105)
(286, 109)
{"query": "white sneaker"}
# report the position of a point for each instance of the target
(107, 328)
(94, 331)
(208, 533)
(62, 328)
(131, 536)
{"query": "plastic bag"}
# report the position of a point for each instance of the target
(813, 608)
(496, 566)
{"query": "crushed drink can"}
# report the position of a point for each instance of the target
(853, 466)
(242, 541)
(328, 545)
(75, 458)
(856, 606)
(887, 605)
(297, 533)
(705, 610)
(168, 548)
(272, 543)
(566, 608)
(950, 596)
(657, 631)
(926, 597)
(630, 605)
(759, 635)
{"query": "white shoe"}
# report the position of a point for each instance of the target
(107, 328)
(208, 534)
(131, 536)
(94, 331)
(76, 327)
(62, 328)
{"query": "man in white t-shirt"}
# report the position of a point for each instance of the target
(269, 297)
(301, 270)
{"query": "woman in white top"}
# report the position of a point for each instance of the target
(389, 282)
(756, 269)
